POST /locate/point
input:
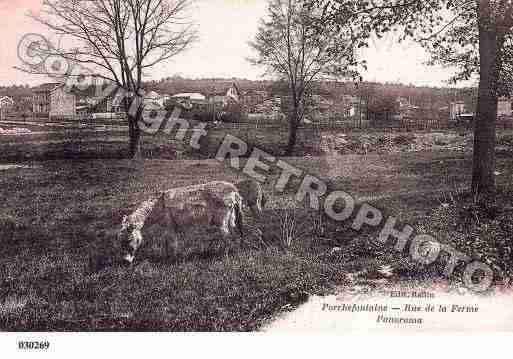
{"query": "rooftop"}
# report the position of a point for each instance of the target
(190, 95)
(46, 87)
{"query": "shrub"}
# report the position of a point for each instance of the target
(481, 230)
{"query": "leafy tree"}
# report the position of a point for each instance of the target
(469, 34)
(382, 106)
(291, 47)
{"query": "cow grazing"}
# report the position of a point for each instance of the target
(217, 204)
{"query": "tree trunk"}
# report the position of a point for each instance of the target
(134, 133)
(293, 126)
(483, 176)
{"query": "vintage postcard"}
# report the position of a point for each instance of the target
(269, 166)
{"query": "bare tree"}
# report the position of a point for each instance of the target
(119, 40)
(296, 49)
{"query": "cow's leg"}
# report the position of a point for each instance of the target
(166, 240)
(225, 234)
(212, 241)
(175, 244)
(237, 225)
(174, 251)
(170, 230)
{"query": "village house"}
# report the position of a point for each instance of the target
(154, 99)
(349, 105)
(98, 98)
(151, 101)
(192, 96)
(406, 110)
(62, 103)
(252, 98)
(89, 102)
(56, 101)
(21, 101)
(165, 98)
(41, 99)
(190, 100)
(456, 109)
(6, 103)
(504, 107)
(53, 100)
(215, 103)
(223, 98)
(102, 104)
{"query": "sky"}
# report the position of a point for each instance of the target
(225, 27)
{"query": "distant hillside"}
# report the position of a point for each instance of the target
(15, 91)
(419, 96)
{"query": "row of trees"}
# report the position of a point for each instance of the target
(332, 90)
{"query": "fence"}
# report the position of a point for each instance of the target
(348, 125)
(405, 125)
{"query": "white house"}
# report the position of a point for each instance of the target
(504, 107)
(194, 96)
(63, 103)
(232, 95)
(153, 97)
(5, 103)
(456, 109)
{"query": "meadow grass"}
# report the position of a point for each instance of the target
(113, 144)
(60, 269)
(59, 266)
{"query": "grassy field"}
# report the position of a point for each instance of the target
(112, 142)
(59, 266)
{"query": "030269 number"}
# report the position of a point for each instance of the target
(33, 345)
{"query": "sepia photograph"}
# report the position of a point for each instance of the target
(255, 166)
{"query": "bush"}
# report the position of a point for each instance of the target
(231, 113)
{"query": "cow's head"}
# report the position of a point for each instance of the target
(130, 239)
